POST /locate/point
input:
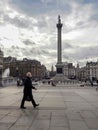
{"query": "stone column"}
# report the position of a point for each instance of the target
(59, 66)
(59, 41)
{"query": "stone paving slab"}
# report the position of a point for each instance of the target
(78, 125)
(64, 107)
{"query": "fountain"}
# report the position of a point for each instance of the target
(6, 73)
(7, 79)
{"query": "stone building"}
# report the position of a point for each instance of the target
(88, 72)
(77, 71)
(52, 72)
(92, 70)
(69, 70)
(19, 68)
(82, 74)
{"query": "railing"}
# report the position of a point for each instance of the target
(62, 82)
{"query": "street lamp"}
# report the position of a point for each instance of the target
(1, 67)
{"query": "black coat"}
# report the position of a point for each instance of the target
(28, 87)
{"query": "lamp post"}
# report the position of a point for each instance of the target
(1, 67)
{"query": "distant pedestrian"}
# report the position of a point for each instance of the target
(92, 83)
(27, 92)
(53, 84)
(97, 86)
(18, 82)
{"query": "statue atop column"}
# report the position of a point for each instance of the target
(59, 19)
(59, 24)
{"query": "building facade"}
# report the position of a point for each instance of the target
(82, 74)
(19, 68)
(69, 70)
(92, 70)
(88, 72)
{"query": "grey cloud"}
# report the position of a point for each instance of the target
(89, 52)
(83, 2)
(66, 45)
(19, 52)
(45, 24)
(34, 7)
(89, 1)
(45, 52)
(65, 57)
(12, 52)
(83, 53)
(49, 53)
(94, 17)
(38, 52)
(28, 7)
(32, 52)
(28, 53)
(28, 42)
(41, 22)
(5, 38)
(15, 47)
(17, 21)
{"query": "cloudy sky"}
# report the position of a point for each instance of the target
(28, 30)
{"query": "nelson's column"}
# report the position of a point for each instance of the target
(59, 66)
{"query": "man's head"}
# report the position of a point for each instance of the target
(28, 74)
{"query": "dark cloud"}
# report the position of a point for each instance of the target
(15, 47)
(45, 52)
(28, 42)
(17, 21)
(66, 45)
(66, 57)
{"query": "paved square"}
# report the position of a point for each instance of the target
(64, 107)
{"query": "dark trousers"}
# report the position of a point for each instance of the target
(25, 98)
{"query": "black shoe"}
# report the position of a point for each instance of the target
(36, 105)
(23, 107)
